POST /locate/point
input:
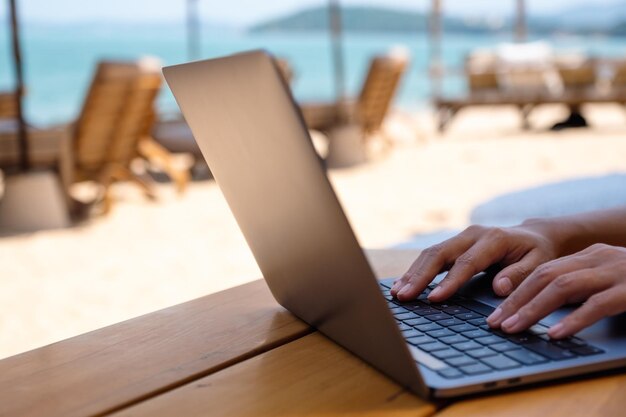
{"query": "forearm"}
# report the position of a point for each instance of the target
(576, 232)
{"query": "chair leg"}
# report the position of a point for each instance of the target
(446, 114)
(525, 111)
(158, 155)
(115, 173)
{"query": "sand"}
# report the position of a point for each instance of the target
(149, 255)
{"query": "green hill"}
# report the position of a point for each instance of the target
(361, 19)
(378, 19)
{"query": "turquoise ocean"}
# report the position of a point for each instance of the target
(59, 59)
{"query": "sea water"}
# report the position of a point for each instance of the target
(59, 60)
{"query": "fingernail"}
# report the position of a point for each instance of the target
(493, 317)
(505, 285)
(434, 292)
(395, 286)
(509, 324)
(557, 331)
(404, 290)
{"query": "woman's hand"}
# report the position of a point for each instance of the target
(596, 275)
(518, 250)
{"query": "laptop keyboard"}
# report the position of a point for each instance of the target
(459, 342)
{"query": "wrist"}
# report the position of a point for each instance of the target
(566, 237)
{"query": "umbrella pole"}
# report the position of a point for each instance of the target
(193, 30)
(337, 51)
(521, 32)
(435, 35)
(19, 90)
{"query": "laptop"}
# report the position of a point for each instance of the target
(256, 144)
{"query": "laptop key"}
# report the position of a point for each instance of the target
(438, 317)
(503, 346)
(525, 356)
(455, 338)
(411, 333)
(467, 345)
(481, 353)
(462, 328)
(467, 316)
(521, 338)
(500, 362)
(404, 327)
(428, 327)
(474, 334)
(397, 309)
(416, 321)
(475, 306)
(475, 369)
(430, 347)
(587, 350)
(450, 322)
(452, 309)
(420, 340)
(570, 343)
(410, 305)
(538, 329)
(437, 334)
(450, 373)
(423, 311)
(446, 353)
(549, 350)
(478, 322)
(461, 361)
(490, 340)
(405, 316)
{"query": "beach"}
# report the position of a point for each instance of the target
(147, 255)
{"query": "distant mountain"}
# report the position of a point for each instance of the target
(592, 16)
(619, 29)
(375, 19)
(363, 19)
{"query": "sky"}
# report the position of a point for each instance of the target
(246, 12)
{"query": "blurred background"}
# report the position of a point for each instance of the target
(430, 115)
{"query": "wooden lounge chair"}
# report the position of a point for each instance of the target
(8, 106)
(482, 72)
(43, 144)
(571, 81)
(578, 73)
(113, 129)
(372, 104)
(618, 81)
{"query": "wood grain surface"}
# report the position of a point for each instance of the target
(590, 397)
(308, 377)
(115, 366)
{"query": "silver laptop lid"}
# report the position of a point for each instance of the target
(252, 136)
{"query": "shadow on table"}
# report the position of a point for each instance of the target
(549, 200)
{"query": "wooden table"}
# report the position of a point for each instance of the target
(238, 353)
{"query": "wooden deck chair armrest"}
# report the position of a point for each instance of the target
(177, 166)
(64, 128)
(66, 159)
